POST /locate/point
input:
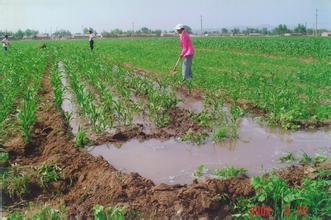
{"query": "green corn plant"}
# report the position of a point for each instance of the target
(48, 173)
(199, 171)
(81, 140)
(27, 116)
(198, 137)
(220, 134)
(288, 157)
(114, 213)
(229, 171)
(57, 88)
(15, 182)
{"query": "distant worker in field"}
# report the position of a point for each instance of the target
(186, 53)
(91, 39)
(5, 43)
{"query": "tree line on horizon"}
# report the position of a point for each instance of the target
(279, 30)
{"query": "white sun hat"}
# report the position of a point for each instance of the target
(179, 26)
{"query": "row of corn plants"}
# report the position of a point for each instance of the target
(107, 82)
(124, 93)
(12, 85)
(116, 98)
(20, 82)
(106, 108)
(161, 97)
(288, 79)
(86, 99)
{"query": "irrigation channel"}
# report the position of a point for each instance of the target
(171, 161)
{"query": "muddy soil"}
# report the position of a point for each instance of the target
(88, 180)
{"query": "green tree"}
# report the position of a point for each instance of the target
(157, 32)
(116, 31)
(235, 31)
(62, 33)
(188, 29)
(145, 30)
(19, 34)
(300, 29)
(281, 29)
(310, 31)
(31, 33)
(3, 33)
(86, 30)
(225, 31)
(265, 31)
(105, 32)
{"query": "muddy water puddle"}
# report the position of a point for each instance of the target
(189, 103)
(258, 150)
(68, 106)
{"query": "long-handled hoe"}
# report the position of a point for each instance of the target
(173, 71)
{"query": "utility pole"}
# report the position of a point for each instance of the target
(133, 27)
(201, 24)
(316, 30)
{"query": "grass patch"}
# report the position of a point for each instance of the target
(229, 171)
(199, 171)
(194, 137)
(220, 134)
(115, 212)
(81, 139)
(15, 181)
(274, 192)
(48, 173)
(288, 157)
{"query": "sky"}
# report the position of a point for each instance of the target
(50, 15)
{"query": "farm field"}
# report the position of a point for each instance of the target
(287, 79)
(254, 104)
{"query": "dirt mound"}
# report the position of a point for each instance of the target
(180, 122)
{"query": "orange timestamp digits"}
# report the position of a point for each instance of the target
(265, 211)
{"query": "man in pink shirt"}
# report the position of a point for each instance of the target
(187, 51)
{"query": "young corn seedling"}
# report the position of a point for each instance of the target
(81, 139)
(48, 173)
(229, 171)
(27, 115)
(115, 212)
(15, 182)
(57, 88)
(195, 137)
(306, 159)
(199, 171)
(288, 157)
(220, 134)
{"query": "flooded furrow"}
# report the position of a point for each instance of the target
(68, 105)
(258, 149)
(189, 103)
